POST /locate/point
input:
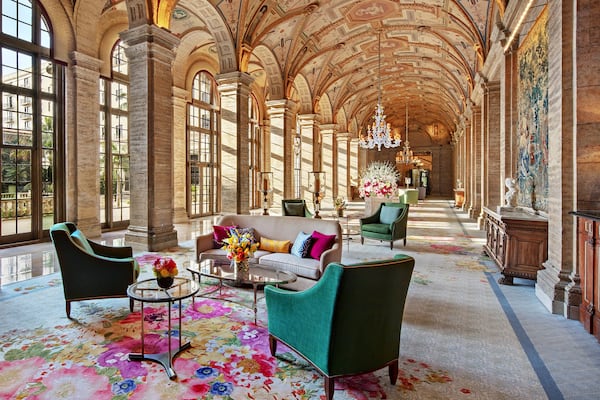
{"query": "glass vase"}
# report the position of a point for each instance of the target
(165, 282)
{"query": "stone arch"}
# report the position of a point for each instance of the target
(273, 71)
(325, 110)
(304, 95)
(60, 20)
(190, 58)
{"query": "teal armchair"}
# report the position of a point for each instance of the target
(349, 322)
(90, 270)
(388, 223)
(295, 208)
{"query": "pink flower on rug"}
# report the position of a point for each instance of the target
(205, 309)
(14, 374)
(76, 382)
(255, 337)
(362, 387)
(117, 356)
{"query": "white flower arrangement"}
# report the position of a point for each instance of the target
(380, 179)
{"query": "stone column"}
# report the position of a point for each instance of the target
(343, 171)
(475, 205)
(83, 177)
(234, 88)
(328, 132)
(282, 152)
(483, 144)
(150, 52)
(509, 117)
(309, 130)
(353, 165)
(181, 97)
(558, 284)
(494, 184)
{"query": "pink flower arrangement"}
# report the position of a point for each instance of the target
(164, 267)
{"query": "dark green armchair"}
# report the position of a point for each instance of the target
(388, 223)
(295, 208)
(349, 322)
(90, 270)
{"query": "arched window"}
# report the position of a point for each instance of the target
(31, 123)
(114, 143)
(203, 133)
(254, 153)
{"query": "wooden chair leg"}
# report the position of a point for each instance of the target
(272, 345)
(391, 245)
(68, 309)
(329, 387)
(393, 372)
(130, 304)
(404, 242)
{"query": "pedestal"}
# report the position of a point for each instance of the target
(372, 204)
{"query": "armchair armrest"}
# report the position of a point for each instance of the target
(371, 219)
(112, 252)
(330, 256)
(399, 224)
(203, 242)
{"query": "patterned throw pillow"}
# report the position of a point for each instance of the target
(275, 246)
(243, 231)
(301, 245)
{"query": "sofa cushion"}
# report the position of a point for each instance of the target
(320, 243)
(305, 267)
(302, 244)
(275, 246)
(377, 228)
(220, 233)
(81, 241)
(294, 209)
(388, 214)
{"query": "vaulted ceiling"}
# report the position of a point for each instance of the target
(324, 54)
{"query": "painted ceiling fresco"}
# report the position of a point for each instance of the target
(324, 54)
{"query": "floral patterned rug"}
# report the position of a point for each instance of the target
(455, 340)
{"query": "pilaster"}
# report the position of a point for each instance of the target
(309, 134)
(328, 132)
(150, 51)
(82, 170)
(282, 152)
(342, 186)
(234, 88)
(181, 97)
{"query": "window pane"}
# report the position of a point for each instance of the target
(45, 40)
(47, 77)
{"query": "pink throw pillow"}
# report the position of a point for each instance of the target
(321, 243)
(220, 233)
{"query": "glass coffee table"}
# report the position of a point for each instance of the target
(148, 291)
(224, 273)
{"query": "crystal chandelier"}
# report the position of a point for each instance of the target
(406, 155)
(379, 134)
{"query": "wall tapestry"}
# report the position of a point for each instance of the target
(532, 140)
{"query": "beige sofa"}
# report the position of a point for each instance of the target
(308, 270)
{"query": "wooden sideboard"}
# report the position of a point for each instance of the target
(588, 261)
(517, 241)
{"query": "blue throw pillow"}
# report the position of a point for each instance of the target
(301, 245)
(388, 214)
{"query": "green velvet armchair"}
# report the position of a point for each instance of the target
(349, 322)
(90, 270)
(388, 223)
(295, 208)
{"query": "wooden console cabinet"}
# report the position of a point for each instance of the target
(588, 261)
(517, 241)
